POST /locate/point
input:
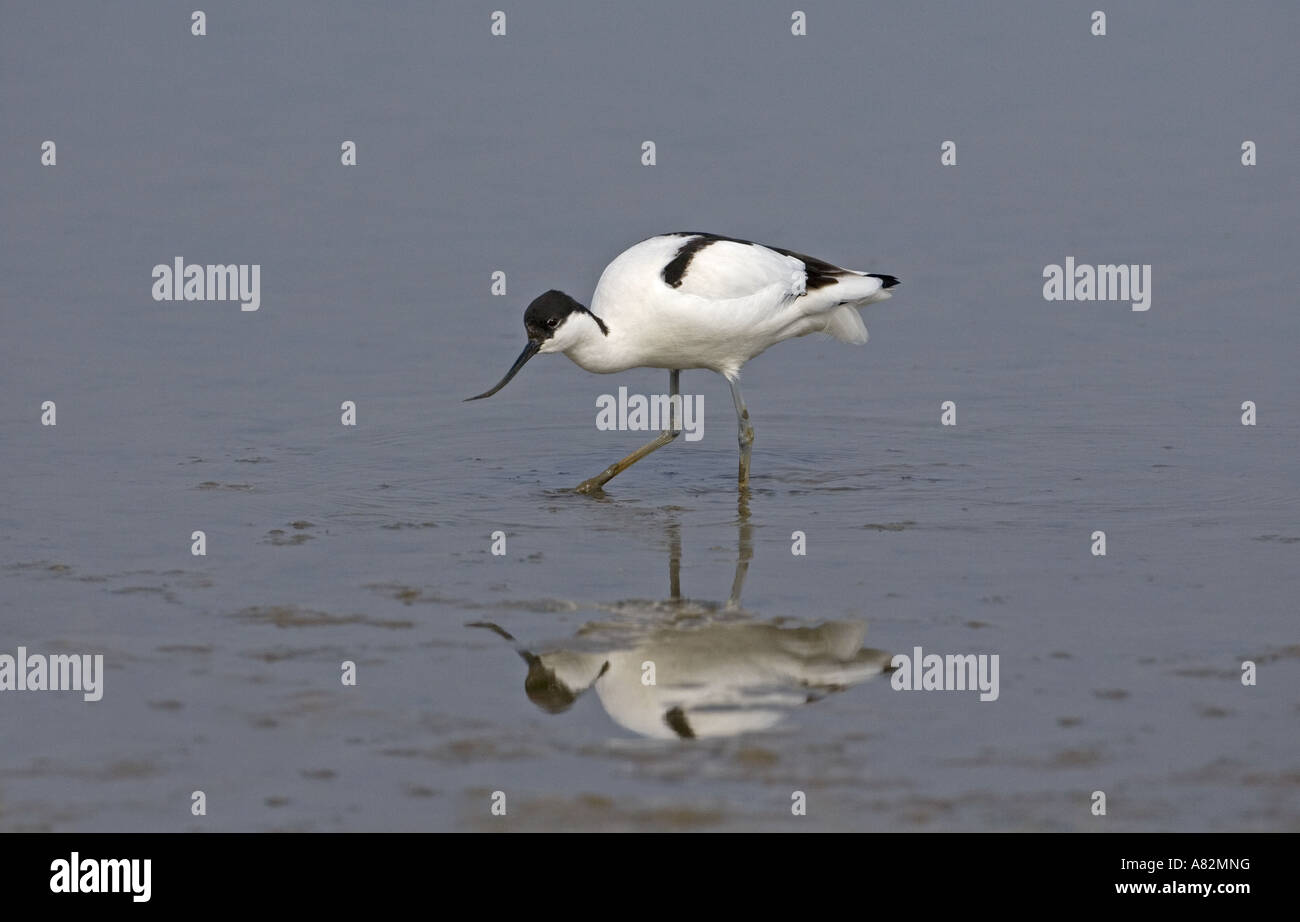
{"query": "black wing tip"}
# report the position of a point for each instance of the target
(886, 281)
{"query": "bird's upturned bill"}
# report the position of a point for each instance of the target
(530, 350)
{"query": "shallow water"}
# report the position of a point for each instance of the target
(372, 544)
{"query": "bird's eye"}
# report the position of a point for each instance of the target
(552, 322)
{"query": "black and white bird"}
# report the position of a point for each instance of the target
(693, 300)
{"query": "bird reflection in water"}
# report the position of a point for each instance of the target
(683, 668)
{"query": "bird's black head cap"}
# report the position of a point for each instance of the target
(548, 311)
(542, 318)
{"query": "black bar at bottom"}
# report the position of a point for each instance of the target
(334, 872)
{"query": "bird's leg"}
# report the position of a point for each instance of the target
(745, 432)
(609, 473)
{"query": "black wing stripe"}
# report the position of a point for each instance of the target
(819, 272)
(675, 271)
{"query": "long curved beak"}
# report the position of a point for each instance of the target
(530, 350)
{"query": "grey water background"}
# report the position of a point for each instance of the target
(522, 154)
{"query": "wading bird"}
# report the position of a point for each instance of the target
(692, 300)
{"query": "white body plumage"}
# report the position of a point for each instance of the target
(731, 301)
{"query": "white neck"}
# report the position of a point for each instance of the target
(590, 347)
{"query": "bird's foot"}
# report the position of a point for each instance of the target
(597, 484)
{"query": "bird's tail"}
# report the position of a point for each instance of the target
(855, 292)
(845, 324)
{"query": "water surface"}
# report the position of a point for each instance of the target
(372, 544)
